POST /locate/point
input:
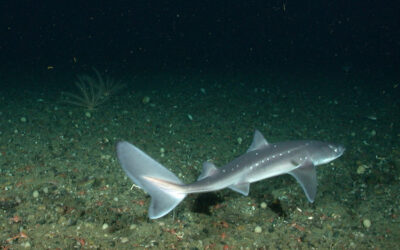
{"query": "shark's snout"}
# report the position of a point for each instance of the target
(341, 149)
(336, 149)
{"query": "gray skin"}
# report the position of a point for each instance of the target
(262, 160)
(265, 162)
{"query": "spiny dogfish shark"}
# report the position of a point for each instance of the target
(261, 161)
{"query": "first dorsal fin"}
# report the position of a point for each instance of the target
(208, 169)
(259, 142)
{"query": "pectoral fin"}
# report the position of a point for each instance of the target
(306, 175)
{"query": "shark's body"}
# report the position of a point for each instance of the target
(261, 161)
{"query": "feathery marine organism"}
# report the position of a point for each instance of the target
(92, 91)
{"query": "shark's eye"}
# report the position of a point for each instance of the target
(335, 149)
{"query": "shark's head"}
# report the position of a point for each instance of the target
(323, 152)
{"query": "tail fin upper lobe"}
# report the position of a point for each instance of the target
(138, 165)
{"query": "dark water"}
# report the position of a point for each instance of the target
(189, 82)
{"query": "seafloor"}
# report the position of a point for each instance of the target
(62, 187)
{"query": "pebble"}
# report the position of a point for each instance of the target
(62, 220)
(26, 244)
(59, 210)
(367, 223)
(361, 169)
(35, 194)
(258, 229)
(105, 157)
(41, 207)
(263, 205)
(146, 100)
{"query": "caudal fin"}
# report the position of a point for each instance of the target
(148, 174)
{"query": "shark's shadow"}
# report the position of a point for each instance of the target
(204, 201)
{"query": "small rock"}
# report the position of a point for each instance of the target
(361, 169)
(35, 194)
(26, 244)
(62, 220)
(263, 205)
(105, 157)
(59, 210)
(367, 223)
(41, 207)
(146, 100)
(124, 239)
(258, 229)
